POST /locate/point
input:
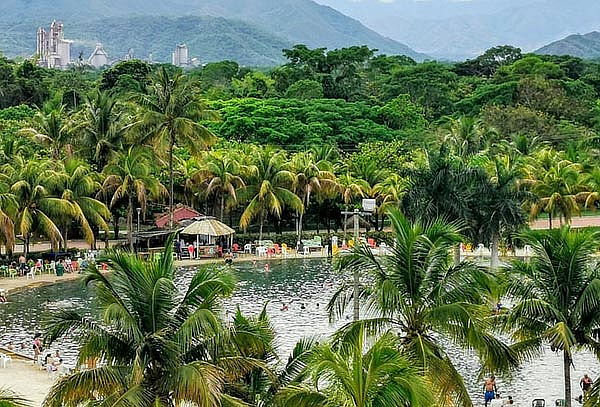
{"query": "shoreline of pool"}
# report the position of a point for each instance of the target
(15, 285)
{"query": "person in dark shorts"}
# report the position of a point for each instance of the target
(586, 385)
(490, 389)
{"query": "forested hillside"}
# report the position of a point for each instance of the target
(269, 24)
(583, 46)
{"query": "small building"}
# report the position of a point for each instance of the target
(180, 214)
(99, 57)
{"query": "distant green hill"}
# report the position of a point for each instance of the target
(284, 21)
(208, 38)
(583, 46)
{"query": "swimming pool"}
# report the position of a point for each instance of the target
(295, 282)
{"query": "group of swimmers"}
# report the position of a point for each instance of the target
(492, 396)
(286, 306)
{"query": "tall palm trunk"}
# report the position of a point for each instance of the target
(66, 236)
(550, 220)
(130, 223)
(222, 206)
(171, 180)
(262, 221)
(495, 261)
(116, 226)
(567, 370)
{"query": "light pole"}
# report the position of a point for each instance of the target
(356, 315)
(139, 211)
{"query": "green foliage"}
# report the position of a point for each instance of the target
(20, 112)
(305, 89)
(126, 76)
(292, 123)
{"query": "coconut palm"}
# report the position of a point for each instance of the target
(156, 342)
(556, 295)
(358, 371)
(103, 127)
(467, 136)
(38, 211)
(9, 399)
(268, 190)
(130, 177)
(558, 186)
(50, 128)
(78, 185)
(349, 189)
(8, 208)
(429, 302)
(171, 114)
(221, 172)
(310, 177)
(389, 194)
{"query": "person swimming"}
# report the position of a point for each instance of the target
(302, 306)
(267, 267)
(284, 307)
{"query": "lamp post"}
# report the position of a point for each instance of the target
(139, 211)
(356, 289)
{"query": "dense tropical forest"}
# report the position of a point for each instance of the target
(465, 152)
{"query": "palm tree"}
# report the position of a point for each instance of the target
(268, 190)
(156, 342)
(49, 128)
(78, 185)
(8, 209)
(357, 371)
(130, 177)
(501, 205)
(221, 172)
(103, 127)
(38, 210)
(468, 136)
(349, 189)
(389, 194)
(558, 186)
(310, 177)
(10, 399)
(428, 302)
(171, 114)
(556, 295)
(443, 188)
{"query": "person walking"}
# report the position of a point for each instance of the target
(490, 389)
(586, 385)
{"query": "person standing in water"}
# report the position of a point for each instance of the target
(586, 385)
(490, 389)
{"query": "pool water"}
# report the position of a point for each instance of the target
(294, 282)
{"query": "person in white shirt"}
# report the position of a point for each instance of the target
(497, 402)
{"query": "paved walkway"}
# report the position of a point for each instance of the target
(27, 380)
(576, 222)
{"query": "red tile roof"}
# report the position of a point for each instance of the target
(180, 213)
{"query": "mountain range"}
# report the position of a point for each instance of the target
(585, 46)
(459, 29)
(252, 32)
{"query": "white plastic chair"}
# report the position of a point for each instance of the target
(247, 248)
(261, 251)
(30, 273)
(5, 360)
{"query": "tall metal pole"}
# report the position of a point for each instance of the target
(356, 274)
